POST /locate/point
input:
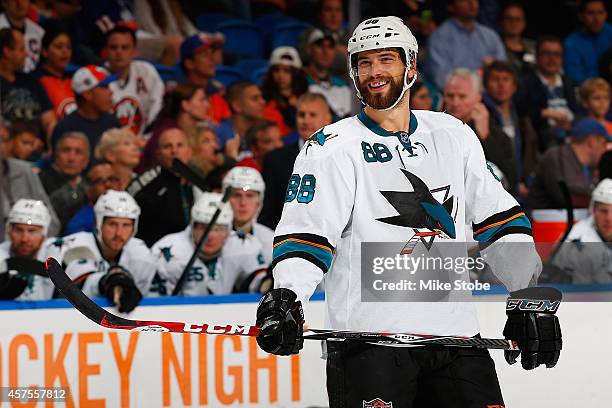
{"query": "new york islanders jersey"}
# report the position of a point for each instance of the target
(38, 287)
(32, 37)
(138, 99)
(240, 264)
(354, 182)
(135, 257)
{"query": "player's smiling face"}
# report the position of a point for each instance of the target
(380, 76)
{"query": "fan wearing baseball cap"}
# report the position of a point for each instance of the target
(94, 102)
(282, 85)
(200, 53)
(576, 163)
(33, 104)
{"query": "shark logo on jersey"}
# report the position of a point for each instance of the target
(419, 210)
(165, 252)
(318, 138)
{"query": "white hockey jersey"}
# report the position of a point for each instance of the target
(38, 287)
(138, 99)
(354, 182)
(32, 37)
(584, 256)
(240, 258)
(265, 236)
(135, 257)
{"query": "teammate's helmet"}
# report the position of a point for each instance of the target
(118, 204)
(603, 192)
(244, 178)
(382, 32)
(204, 209)
(31, 212)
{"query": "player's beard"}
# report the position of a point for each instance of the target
(382, 100)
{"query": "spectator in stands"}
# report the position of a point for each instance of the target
(51, 71)
(520, 50)
(247, 105)
(198, 62)
(163, 18)
(420, 97)
(228, 262)
(94, 101)
(462, 99)
(138, 90)
(97, 18)
(27, 228)
(321, 49)
(119, 148)
(595, 98)
(500, 83)
(22, 142)
(461, 42)
(575, 163)
(548, 94)
(246, 199)
(62, 180)
(282, 85)
(15, 17)
(164, 197)
(585, 257)
(584, 46)
(206, 153)
(99, 179)
(261, 138)
(23, 98)
(183, 107)
(313, 112)
(20, 181)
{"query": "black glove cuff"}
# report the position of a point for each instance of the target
(534, 300)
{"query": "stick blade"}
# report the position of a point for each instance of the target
(80, 301)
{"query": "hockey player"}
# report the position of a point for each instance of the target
(111, 262)
(246, 200)
(228, 262)
(139, 90)
(371, 178)
(586, 256)
(26, 230)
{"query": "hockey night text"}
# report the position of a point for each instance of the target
(412, 264)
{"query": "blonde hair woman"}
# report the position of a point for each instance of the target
(120, 148)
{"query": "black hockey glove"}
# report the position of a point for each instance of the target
(11, 285)
(281, 320)
(119, 288)
(533, 325)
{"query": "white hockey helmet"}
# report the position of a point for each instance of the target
(378, 33)
(603, 192)
(244, 178)
(31, 212)
(204, 209)
(118, 204)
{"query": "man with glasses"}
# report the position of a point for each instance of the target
(227, 262)
(26, 230)
(99, 179)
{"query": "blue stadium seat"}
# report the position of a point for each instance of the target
(250, 65)
(267, 24)
(287, 33)
(167, 74)
(257, 76)
(243, 39)
(208, 21)
(226, 74)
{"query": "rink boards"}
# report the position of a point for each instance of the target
(49, 344)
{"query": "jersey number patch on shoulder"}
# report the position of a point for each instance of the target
(302, 188)
(377, 152)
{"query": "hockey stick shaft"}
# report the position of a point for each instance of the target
(109, 320)
(201, 242)
(191, 176)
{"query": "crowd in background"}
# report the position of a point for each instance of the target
(88, 108)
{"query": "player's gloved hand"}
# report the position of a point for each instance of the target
(119, 288)
(281, 319)
(533, 325)
(11, 285)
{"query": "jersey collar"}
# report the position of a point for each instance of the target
(376, 128)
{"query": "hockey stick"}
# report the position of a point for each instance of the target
(201, 242)
(106, 319)
(569, 208)
(191, 176)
